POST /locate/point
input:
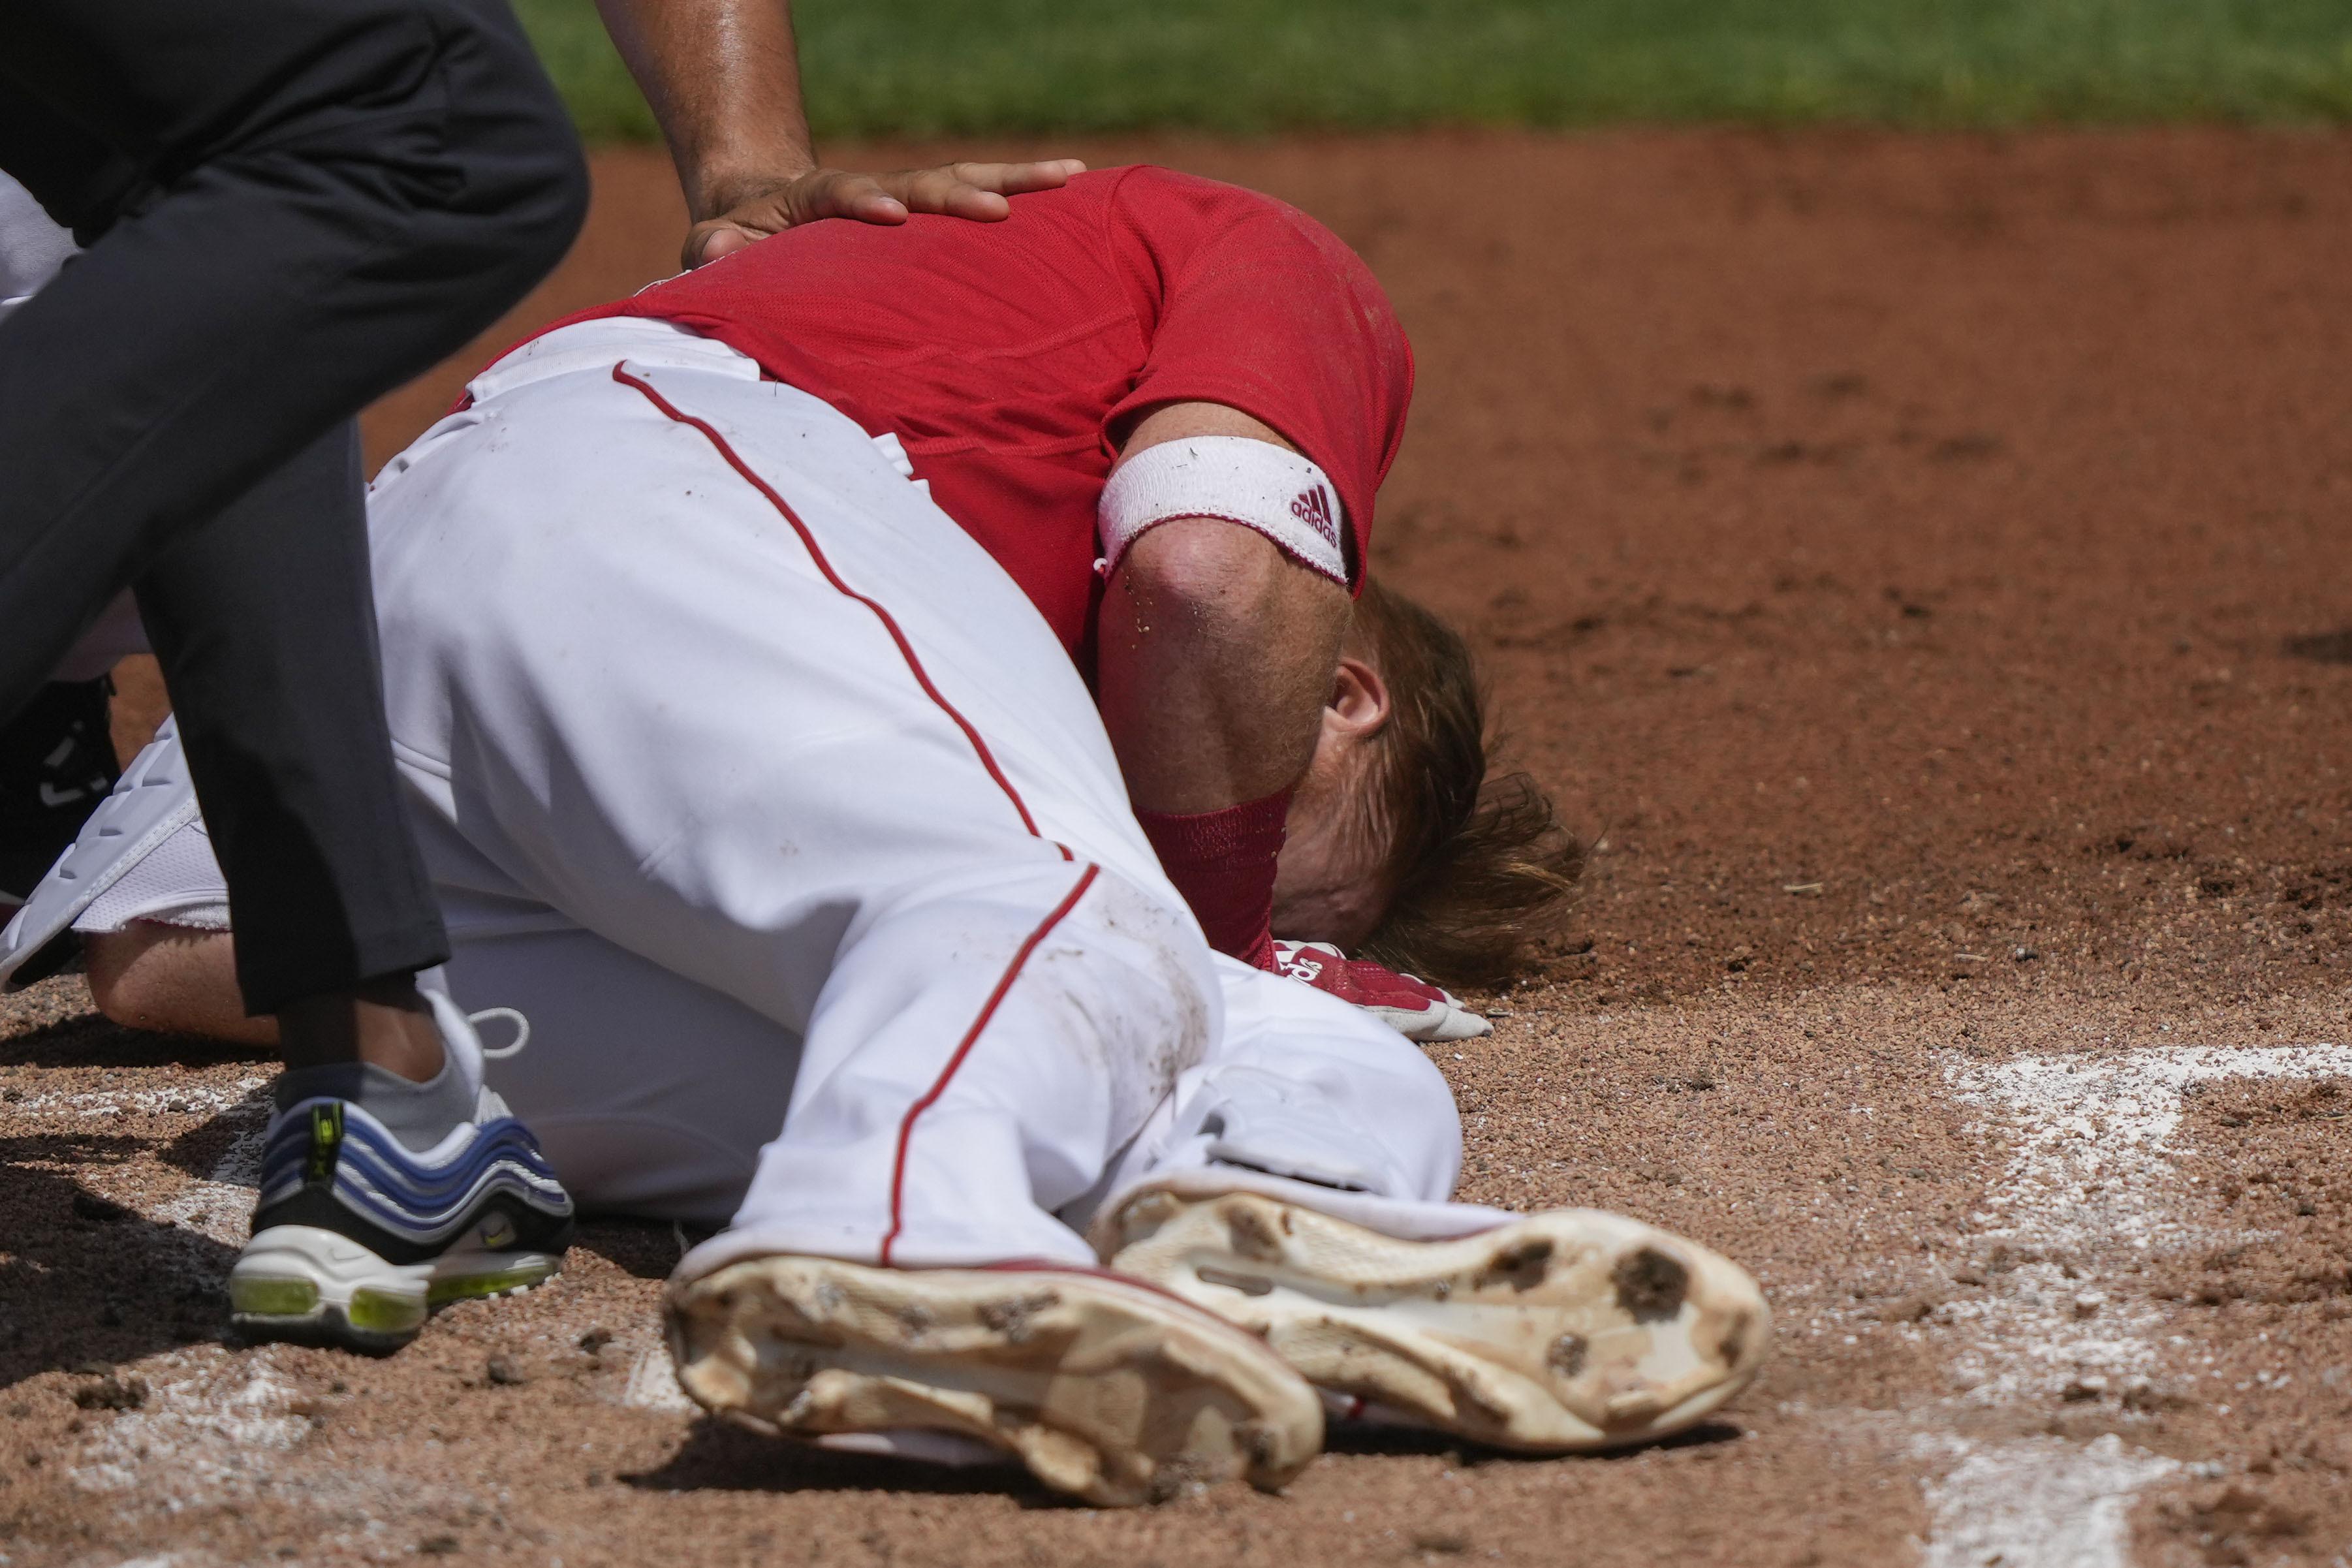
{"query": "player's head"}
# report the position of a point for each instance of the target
(1401, 847)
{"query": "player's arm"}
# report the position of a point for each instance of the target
(723, 77)
(1216, 651)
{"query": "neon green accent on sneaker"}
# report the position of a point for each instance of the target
(326, 1142)
(381, 1312)
(465, 1287)
(272, 1298)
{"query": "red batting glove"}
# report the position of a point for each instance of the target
(1415, 1008)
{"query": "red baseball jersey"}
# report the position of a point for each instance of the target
(1010, 357)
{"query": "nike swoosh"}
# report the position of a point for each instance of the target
(51, 795)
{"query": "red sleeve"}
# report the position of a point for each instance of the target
(1255, 305)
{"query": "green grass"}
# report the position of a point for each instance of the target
(919, 68)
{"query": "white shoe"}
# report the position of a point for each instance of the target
(1567, 1330)
(1105, 1388)
(358, 1238)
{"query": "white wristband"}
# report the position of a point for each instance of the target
(1236, 478)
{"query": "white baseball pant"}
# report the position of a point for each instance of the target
(769, 799)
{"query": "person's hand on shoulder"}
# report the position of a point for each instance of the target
(757, 207)
(1415, 1008)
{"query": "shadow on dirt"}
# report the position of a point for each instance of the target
(1364, 1439)
(2322, 647)
(718, 1458)
(92, 1041)
(86, 1281)
(224, 1147)
(642, 1248)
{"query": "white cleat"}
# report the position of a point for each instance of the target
(1107, 1389)
(1564, 1331)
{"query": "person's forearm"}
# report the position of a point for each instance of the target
(1214, 650)
(1215, 654)
(724, 81)
(1214, 657)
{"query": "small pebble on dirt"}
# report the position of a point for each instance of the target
(112, 1393)
(502, 1370)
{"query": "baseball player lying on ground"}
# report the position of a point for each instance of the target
(1219, 345)
(750, 778)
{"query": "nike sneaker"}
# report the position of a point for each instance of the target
(358, 1238)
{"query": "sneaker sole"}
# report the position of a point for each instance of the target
(1566, 1332)
(310, 1286)
(1107, 1389)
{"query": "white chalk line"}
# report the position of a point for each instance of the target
(2090, 1187)
(210, 1424)
(216, 1207)
(222, 1427)
(2041, 1503)
(220, 1207)
(653, 1383)
(2090, 1184)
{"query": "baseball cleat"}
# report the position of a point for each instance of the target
(1560, 1333)
(1105, 1388)
(357, 1238)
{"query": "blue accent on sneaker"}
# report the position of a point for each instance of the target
(328, 1163)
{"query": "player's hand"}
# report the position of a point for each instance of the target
(756, 208)
(1415, 1008)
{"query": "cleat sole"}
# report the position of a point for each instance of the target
(1107, 1389)
(1566, 1332)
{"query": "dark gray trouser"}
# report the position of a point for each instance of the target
(292, 207)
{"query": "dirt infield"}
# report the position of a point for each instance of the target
(1920, 565)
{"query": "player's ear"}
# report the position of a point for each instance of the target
(1360, 699)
